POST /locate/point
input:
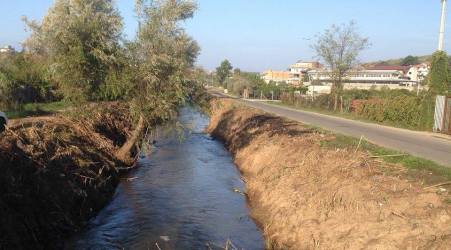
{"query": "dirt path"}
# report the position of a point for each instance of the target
(306, 196)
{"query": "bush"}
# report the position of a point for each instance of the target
(23, 79)
(396, 107)
(404, 111)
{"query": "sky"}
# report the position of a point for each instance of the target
(256, 35)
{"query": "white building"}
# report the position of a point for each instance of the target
(7, 49)
(367, 79)
(418, 72)
(300, 69)
(314, 90)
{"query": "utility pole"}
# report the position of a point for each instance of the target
(441, 40)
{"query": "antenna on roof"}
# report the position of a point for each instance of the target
(441, 40)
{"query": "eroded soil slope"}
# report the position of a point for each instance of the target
(306, 196)
(56, 172)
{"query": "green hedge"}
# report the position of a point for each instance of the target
(398, 107)
(403, 111)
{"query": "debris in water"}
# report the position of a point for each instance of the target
(236, 190)
(228, 246)
(165, 238)
(130, 179)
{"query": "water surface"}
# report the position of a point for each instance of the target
(181, 197)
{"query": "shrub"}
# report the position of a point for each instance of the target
(23, 80)
(405, 111)
(396, 107)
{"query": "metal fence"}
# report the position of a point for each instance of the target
(442, 121)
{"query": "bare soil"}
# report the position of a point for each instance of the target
(56, 172)
(306, 196)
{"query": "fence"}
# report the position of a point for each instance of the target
(442, 119)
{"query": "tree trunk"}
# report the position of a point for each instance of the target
(335, 102)
(341, 104)
(123, 154)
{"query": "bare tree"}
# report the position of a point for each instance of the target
(339, 47)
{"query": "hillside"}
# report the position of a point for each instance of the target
(393, 62)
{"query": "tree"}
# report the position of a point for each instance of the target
(81, 39)
(224, 71)
(161, 58)
(410, 60)
(338, 47)
(438, 77)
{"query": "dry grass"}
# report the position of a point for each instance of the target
(57, 172)
(309, 197)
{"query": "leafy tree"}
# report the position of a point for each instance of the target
(438, 77)
(410, 60)
(339, 47)
(224, 71)
(161, 58)
(81, 39)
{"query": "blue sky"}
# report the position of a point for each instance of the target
(261, 34)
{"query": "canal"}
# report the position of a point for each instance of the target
(183, 195)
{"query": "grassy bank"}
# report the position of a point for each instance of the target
(310, 189)
(37, 109)
(418, 168)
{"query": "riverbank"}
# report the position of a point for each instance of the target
(183, 195)
(309, 196)
(59, 171)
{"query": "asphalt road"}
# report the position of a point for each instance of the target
(426, 145)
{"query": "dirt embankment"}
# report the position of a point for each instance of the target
(57, 172)
(306, 196)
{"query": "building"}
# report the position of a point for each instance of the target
(418, 72)
(376, 77)
(276, 76)
(318, 90)
(7, 49)
(299, 70)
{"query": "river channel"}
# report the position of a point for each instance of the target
(183, 195)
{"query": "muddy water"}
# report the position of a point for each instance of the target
(181, 197)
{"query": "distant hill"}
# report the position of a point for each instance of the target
(396, 62)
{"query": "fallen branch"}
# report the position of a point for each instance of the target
(383, 156)
(439, 185)
(399, 215)
(360, 142)
(236, 190)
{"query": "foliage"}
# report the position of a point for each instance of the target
(161, 57)
(23, 79)
(438, 77)
(395, 107)
(406, 111)
(339, 47)
(224, 71)
(410, 60)
(37, 109)
(81, 39)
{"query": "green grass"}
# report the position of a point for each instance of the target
(418, 168)
(37, 109)
(348, 115)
